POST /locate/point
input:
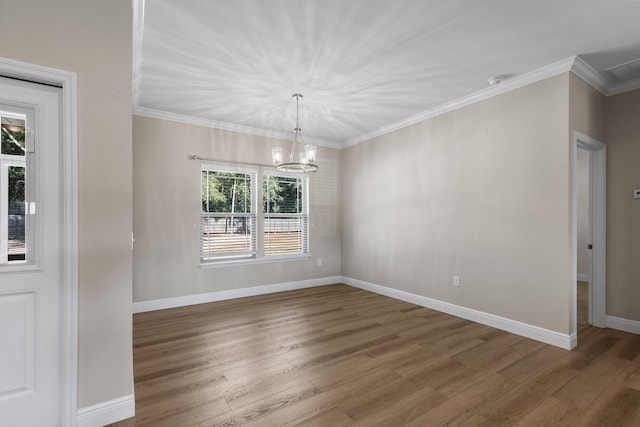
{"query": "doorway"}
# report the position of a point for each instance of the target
(583, 242)
(596, 245)
(38, 261)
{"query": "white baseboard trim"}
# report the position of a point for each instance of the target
(529, 331)
(583, 277)
(626, 325)
(107, 412)
(161, 304)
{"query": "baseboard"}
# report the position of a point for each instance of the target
(529, 331)
(626, 325)
(161, 304)
(107, 412)
(583, 277)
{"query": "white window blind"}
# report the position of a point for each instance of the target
(286, 214)
(228, 215)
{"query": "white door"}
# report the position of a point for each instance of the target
(30, 255)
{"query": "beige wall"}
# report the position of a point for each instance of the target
(167, 211)
(623, 211)
(92, 39)
(481, 192)
(586, 109)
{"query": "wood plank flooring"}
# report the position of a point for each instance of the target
(341, 356)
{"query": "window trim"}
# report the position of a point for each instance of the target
(304, 214)
(252, 215)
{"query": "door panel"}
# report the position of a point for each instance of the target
(31, 256)
(17, 334)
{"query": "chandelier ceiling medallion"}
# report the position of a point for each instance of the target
(302, 157)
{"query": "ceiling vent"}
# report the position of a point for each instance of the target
(623, 72)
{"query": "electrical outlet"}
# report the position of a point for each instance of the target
(456, 280)
(319, 262)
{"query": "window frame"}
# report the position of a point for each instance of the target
(304, 214)
(33, 170)
(259, 256)
(238, 256)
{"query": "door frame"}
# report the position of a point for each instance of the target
(597, 228)
(67, 81)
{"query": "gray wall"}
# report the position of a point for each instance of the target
(93, 39)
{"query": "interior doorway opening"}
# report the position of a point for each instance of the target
(595, 254)
(583, 237)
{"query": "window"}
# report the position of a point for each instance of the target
(285, 215)
(13, 230)
(228, 215)
(230, 218)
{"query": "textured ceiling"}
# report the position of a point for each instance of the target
(362, 65)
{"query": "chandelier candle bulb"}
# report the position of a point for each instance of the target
(276, 155)
(311, 153)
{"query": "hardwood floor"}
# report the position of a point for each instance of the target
(340, 356)
(583, 301)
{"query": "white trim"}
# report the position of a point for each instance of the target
(69, 274)
(573, 338)
(214, 124)
(600, 83)
(138, 34)
(161, 304)
(583, 277)
(507, 85)
(590, 76)
(523, 329)
(624, 87)
(107, 412)
(268, 259)
(632, 326)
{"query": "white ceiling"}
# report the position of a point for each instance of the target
(362, 65)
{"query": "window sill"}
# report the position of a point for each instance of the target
(253, 261)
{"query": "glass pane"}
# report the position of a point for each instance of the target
(282, 194)
(13, 136)
(226, 192)
(17, 248)
(15, 236)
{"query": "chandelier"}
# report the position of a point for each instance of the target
(302, 157)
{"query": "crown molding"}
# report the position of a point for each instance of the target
(590, 76)
(486, 93)
(214, 124)
(624, 87)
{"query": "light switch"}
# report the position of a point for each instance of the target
(636, 193)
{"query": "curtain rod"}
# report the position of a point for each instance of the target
(206, 159)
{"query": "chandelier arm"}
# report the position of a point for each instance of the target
(293, 145)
